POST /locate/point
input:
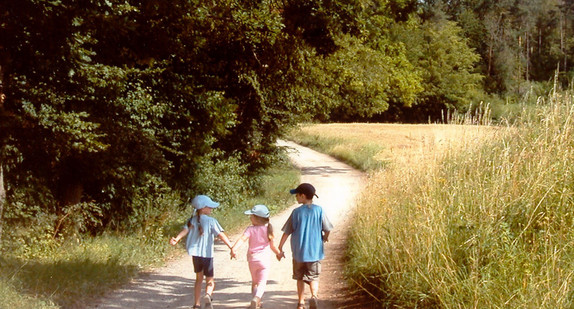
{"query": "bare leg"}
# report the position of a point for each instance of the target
(253, 288)
(314, 285)
(209, 285)
(301, 291)
(197, 287)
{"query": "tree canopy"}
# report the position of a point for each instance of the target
(102, 98)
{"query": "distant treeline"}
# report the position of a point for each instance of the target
(111, 104)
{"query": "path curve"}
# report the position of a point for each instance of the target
(171, 286)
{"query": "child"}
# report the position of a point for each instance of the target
(309, 227)
(260, 236)
(201, 229)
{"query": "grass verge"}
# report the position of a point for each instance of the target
(69, 274)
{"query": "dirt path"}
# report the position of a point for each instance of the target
(337, 186)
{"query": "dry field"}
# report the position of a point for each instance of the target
(402, 143)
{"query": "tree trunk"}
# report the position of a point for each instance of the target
(2, 189)
(2, 201)
(527, 43)
(562, 44)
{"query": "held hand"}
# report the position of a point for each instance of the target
(173, 241)
(233, 255)
(280, 255)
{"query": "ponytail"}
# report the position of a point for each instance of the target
(199, 223)
(270, 235)
(190, 221)
(265, 221)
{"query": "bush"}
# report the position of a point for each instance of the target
(221, 179)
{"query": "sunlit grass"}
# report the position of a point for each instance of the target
(372, 146)
(76, 270)
(488, 224)
(466, 215)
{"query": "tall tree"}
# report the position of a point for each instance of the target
(105, 96)
(2, 188)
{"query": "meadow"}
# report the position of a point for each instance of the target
(464, 216)
(373, 146)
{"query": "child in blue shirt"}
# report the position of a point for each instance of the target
(309, 227)
(201, 230)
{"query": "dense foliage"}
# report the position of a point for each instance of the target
(518, 41)
(110, 104)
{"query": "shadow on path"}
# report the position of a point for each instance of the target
(323, 170)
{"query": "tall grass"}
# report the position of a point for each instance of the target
(488, 225)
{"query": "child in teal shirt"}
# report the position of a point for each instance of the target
(309, 227)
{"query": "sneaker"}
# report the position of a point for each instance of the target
(313, 302)
(207, 302)
(255, 303)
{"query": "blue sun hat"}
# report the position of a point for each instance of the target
(202, 201)
(258, 210)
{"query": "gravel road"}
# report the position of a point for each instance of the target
(171, 286)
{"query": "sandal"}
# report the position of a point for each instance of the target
(313, 302)
(301, 306)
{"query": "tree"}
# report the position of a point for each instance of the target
(519, 41)
(94, 108)
(106, 97)
(2, 188)
(447, 66)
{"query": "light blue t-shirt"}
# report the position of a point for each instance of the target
(305, 225)
(202, 245)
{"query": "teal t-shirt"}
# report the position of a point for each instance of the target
(306, 225)
(202, 245)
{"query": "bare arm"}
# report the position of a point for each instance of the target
(273, 248)
(281, 254)
(282, 241)
(174, 240)
(224, 238)
(238, 244)
(326, 236)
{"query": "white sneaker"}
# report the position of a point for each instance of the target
(255, 303)
(206, 304)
